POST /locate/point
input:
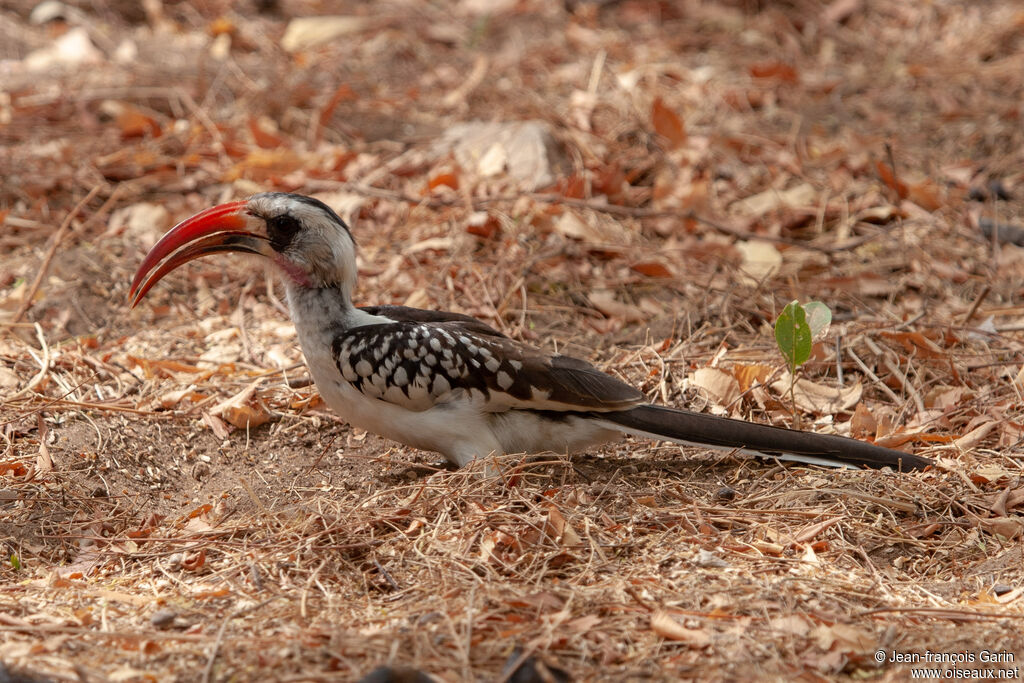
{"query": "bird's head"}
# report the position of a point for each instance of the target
(302, 236)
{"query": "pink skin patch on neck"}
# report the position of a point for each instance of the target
(294, 272)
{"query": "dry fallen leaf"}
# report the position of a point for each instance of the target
(304, 33)
(818, 398)
(720, 386)
(792, 624)
(604, 300)
(44, 463)
(843, 637)
(757, 205)
(652, 269)
(667, 123)
(665, 626)
(559, 530)
(974, 437)
(863, 423)
(761, 260)
(747, 374)
(1007, 527)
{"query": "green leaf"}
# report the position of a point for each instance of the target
(819, 318)
(15, 562)
(793, 335)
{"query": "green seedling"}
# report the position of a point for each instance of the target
(795, 330)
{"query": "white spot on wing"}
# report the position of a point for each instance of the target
(440, 385)
(347, 372)
(504, 380)
(516, 365)
(400, 378)
(363, 368)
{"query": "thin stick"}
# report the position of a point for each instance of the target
(874, 378)
(977, 303)
(44, 366)
(58, 237)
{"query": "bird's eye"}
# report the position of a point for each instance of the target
(281, 229)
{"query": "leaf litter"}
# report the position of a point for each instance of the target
(177, 503)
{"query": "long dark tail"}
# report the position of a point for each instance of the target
(698, 429)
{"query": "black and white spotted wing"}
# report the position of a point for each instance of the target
(426, 358)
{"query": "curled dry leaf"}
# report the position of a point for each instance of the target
(194, 560)
(560, 530)
(173, 398)
(219, 427)
(665, 626)
(747, 374)
(244, 409)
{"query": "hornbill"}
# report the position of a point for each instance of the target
(447, 382)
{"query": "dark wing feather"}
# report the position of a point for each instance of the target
(425, 358)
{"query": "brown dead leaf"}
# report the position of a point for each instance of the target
(219, 427)
(792, 624)
(44, 463)
(926, 194)
(162, 368)
(863, 423)
(264, 135)
(759, 204)
(583, 624)
(194, 560)
(1007, 527)
(819, 398)
(449, 179)
(668, 628)
(843, 637)
(760, 260)
(747, 374)
(604, 300)
(974, 437)
(244, 409)
(572, 226)
(720, 386)
(559, 530)
(173, 398)
(134, 123)
(667, 123)
(262, 164)
(916, 343)
(652, 269)
(482, 224)
(776, 71)
(889, 178)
